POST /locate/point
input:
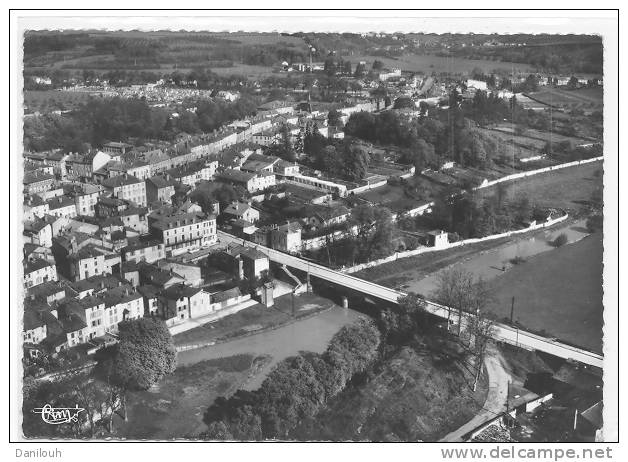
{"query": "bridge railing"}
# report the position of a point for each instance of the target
(502, 332)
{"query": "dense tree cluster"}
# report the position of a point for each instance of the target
(144, 354)
(119, 119)
(470, 216)
(296, 389)
(372, 238)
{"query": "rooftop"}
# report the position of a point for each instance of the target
(120, 180)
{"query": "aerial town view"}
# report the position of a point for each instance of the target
(312, 236)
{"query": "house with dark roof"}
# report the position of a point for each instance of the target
(252, 182)
(37, 182)
(34, 207)
(49, 292)
(160, 188)
(86, 262)
(34, 327)
(148, 250)
(322, 217)
(38, 232)
(242, 211)
(127, 187)
(286, 237)
(183, 231)
(162, 278)
(62, 207)
(38, 271)
(180, 302)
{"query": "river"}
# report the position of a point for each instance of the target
(492, 263)
(312, 334)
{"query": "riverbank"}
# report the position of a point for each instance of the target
(250, 321)
(310, 334)
(405, 274)
(557, 293)
(174, 407)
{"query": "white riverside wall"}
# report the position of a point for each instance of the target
(422, 250)
(516, 176)
(423, 208)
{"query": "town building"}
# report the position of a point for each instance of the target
(82, 166)
(117, 148)
(242, 211)
(62, 207)
(139, 250)
(37, 182)
(38, 271)
(34, 207)
(127, 187)
(160, 188)
(86, 262)
(286, 237)
(182, 232)
(180, 302)
(85, 197)
(252, 182)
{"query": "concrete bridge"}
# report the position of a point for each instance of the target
(502, 332)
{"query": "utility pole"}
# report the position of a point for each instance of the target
(512, 309)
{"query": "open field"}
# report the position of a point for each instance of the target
(395, 197)
(430, 63)
(174, 407)
(256, 318)
(536, 138)
(559, 292)
(51, 100)
(397, 273)
(582, 98)
(518, 145)
(566, 188)
(419, 394)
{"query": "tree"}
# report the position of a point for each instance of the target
(360, 70)
(354, 161)
(374, 231)
(333, 118)
(404, 102)
(144, 354)
(480, 329)
(377, 65)
(573, 82)
(404, 320)
(457, 289)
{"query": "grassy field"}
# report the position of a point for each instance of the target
(533, 138)
(559, 292)
(255, 318)
(174, 407)
(50, 100)
(582, 98)
(395, 274)
(417, 395)
(395, 198)
(566, 188)
(430, 63)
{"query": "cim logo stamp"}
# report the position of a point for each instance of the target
(58, 415)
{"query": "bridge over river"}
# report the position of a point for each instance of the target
(502, 332)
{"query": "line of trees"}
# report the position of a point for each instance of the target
(119, 119)
(296, 389)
